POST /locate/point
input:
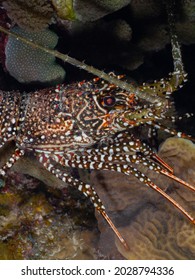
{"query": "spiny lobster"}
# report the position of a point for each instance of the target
(89, 125)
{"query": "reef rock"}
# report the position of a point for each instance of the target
(30, 15)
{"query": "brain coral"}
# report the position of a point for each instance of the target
(31, 15)
(26, 64)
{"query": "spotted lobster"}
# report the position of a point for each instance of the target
(89, 124)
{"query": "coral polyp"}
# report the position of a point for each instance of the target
(29, 65)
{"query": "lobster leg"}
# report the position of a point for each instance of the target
(153, 166)
(125, 143)
(127, 159)
(115, 152)
(131, 142)
(70, 161)
(171, 131)
(86, 189)
(11, 161)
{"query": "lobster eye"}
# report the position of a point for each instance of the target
(109, 101)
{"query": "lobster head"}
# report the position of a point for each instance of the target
(105, 107)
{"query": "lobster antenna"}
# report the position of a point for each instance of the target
(90, 69)
(179, 73)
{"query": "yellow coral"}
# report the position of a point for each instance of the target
(64, 9)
